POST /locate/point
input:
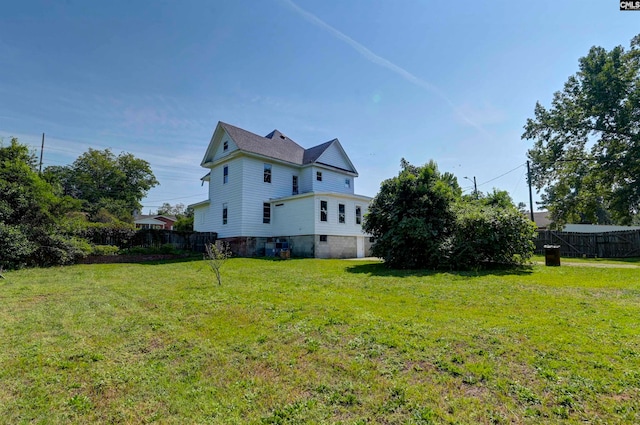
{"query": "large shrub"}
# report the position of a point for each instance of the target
(15, 246)
(490, 235)
(411, 217)
(421, 220)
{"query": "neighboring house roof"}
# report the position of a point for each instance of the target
(140, 218)
(278, 146)
(542, 219)
(150, 220)
(596, 228)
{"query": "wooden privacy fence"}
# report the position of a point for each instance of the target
(188, 241)
(620, 244)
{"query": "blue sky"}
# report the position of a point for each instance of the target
(449, 81)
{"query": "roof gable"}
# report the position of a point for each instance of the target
(216, 150)
(335, 156)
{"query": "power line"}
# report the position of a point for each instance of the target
(173, 199)
(502, 175)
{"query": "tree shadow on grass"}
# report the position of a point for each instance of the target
(379, 269)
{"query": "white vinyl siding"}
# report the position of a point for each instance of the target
(332, 181)
(335, 157)
(228, 193)
(220, 152)
(307, 176)
(332, 226)
(255, 192)
(293, 217)
(200, 218)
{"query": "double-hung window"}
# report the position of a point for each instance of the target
(267, 173)
(225, 174)
(266, 213)
(225, 212)
(358, 215)
(341, 213)
(323, 210)
(294, 183)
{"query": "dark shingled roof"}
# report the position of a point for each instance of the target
(312, 154)
(275, 145)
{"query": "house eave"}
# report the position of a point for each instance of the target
(332, 167)
(199, 204)
(362, 198)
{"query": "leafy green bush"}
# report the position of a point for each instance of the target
(104, 250)
(56, 249)
(118, 234)
(487, 235)
(167, 249)
(15, 246)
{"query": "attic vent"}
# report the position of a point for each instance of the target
(282, 136)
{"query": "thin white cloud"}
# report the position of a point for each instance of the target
(378, 60)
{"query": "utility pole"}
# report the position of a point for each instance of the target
(41, 152)
(530, 195)
(475, 187)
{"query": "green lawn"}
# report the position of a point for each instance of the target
(593, 261)
(318, 341)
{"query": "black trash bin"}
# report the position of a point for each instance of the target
(552, 255)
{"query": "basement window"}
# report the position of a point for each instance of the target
(323, 238)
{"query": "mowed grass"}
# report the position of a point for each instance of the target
(318, 341)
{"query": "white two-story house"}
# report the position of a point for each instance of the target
(266, 190)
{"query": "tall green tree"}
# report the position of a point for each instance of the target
(412, 216)
(177, 210)
(110, 186)
(30, 213)
(586, 153)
